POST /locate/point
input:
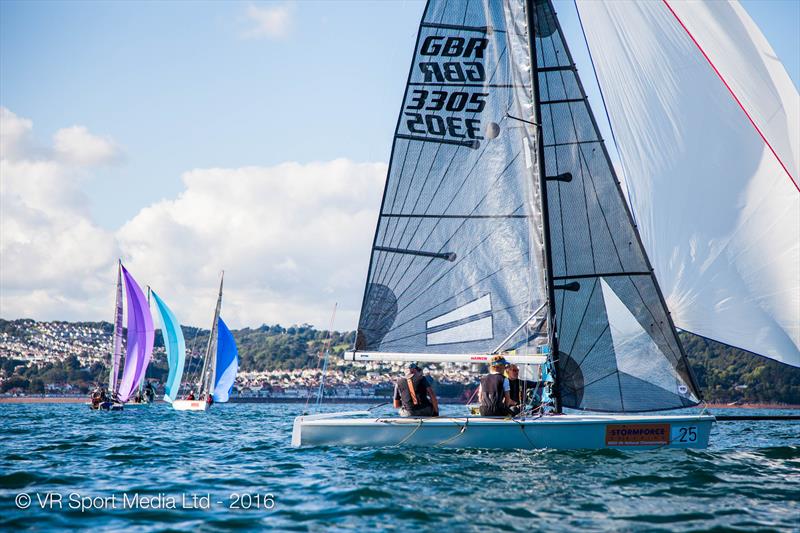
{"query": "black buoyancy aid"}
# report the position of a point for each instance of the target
(418, 399)
(492, 395)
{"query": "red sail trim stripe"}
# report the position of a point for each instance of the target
(794, 182)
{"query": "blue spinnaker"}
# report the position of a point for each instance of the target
(227, 363)
(175, 346)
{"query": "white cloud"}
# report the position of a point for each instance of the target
(292, 238)
(52, 256)
(272, 22)
(76, 145)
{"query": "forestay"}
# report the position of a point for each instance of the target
(618, 350)
(707, 123)
(456, 264)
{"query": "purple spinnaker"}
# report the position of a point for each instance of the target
(140, 338)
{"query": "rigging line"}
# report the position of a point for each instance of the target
(441, 182)
(733, 94)
(629, 199)
(462, 222)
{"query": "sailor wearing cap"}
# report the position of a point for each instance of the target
(412, 392)
(495, 390)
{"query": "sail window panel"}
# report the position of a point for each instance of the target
(550, 49)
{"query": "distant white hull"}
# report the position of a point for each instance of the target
(189, 405)
(559, 432)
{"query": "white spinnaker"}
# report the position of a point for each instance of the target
(713, 181)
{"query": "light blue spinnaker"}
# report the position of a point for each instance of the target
(227, 363)
(175, 346)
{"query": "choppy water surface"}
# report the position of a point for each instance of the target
(235, 454)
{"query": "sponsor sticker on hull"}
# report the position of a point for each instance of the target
(637, 434)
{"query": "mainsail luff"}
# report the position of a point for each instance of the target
(540, 176)
(208, 375)
(116, 339)
(631, 337)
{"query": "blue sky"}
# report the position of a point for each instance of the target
(180, 86)
(177, 86)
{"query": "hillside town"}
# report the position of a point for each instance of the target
(31, 344)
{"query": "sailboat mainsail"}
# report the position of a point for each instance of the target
(116, 343)
(140, 338)
(175, 346)
(706, 120)
(227, 362)
(456, 264)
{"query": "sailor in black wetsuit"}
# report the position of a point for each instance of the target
(411, 394)
(495, 390)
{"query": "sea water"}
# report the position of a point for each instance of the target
(63, 466)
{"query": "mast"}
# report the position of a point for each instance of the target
(116, 336)
(141, 383)
(542, 176)
(208, 375)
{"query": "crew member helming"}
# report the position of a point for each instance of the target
(411, 394)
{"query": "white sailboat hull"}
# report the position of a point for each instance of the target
(190, 405)
(559, 432)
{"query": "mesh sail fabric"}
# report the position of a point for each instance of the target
(456, 264)
(175, 346)
(140, 337)
(227, 363)
(708, 126)
(618, 350)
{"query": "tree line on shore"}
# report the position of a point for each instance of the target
(724, 374)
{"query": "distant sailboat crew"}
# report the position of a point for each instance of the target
(503, 225)
(220, 364)
(139, 347)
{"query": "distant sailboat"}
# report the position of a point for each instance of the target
(175, 346)
(139, 346)
(503, 224)
(220, 364)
